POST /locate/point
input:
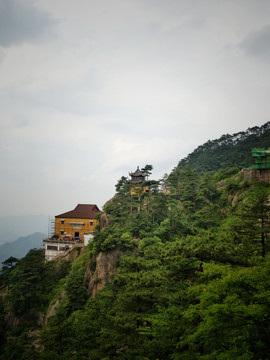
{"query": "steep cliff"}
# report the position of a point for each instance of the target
(100, 270)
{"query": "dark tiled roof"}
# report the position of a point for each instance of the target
(136, 181)
(138, 172)
(81, 211)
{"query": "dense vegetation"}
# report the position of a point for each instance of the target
(193, 280)
(228, 150)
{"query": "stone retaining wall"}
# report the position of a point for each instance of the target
(257, 175)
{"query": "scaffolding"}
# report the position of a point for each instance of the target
(261, 158)
(51, 226)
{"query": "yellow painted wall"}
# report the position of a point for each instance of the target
(137, 190)
(69, 229)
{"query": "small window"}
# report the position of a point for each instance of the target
(62, 232)
(62, 222)
(51, 247)
(91, 223)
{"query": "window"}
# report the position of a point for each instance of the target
(91, 223)
(62, 232)
(51, 247)
(62, 222)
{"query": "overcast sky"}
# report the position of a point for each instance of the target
(90, 89)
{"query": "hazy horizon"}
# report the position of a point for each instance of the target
(14, 227)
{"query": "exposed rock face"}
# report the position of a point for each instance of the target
(100, 270)
(33, 318)
(54, 305)
(257, 175)
(98, 273)
(103, 221)
(69, 255)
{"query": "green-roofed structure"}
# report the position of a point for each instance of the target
(260, 170)
(261, 158)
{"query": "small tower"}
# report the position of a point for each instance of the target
(137, 179)
(137, 176)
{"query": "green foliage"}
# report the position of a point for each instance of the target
(75, 289)
(3, 326)
(18, 347)
(147, 169)
(7, 266)
(75, 286)
(27, 287)
(122, 187)
(111, 238)
(56, 336)
(226, 173)
(31, 282)
(163, 230)
(228, 151)
(228, 317)
(250, 223)
(236, 185)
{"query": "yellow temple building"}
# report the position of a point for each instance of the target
(75, 227)
(137, 180)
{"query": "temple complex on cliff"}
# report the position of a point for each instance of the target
(70, 228)
(138, 179)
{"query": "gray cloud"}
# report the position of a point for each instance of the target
(23, 22)
(2, 55)
(257, 43)
(124, 83)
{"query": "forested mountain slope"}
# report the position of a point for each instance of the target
(228, 150)
(187, 277)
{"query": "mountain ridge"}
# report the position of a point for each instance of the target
(21, 246)
(14, 226)
(227, 151)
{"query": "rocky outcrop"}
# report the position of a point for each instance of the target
(100, 270)
(33, 317)
(257, 175)
(70, 255)
(54, 305)
(104, 220)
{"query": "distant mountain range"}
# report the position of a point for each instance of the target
(227, 151)
(13, 227)
(20, 247)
